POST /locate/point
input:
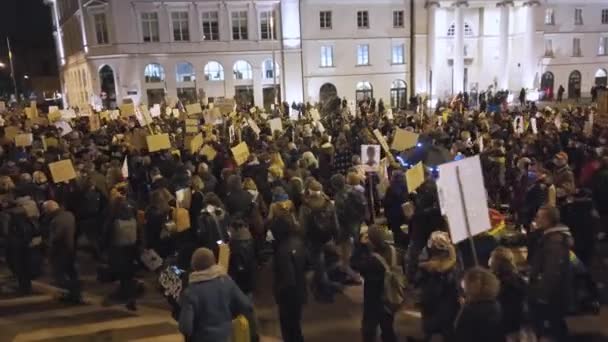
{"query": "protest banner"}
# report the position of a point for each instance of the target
(240, 153)
(194, 108)
(414, 177)
(62, 171)
(404, 140)
(23, 140)
(158, 142)
(462, 198)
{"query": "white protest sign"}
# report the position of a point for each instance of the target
(533, 124)
(320, 127)
(314, 113)
(470, 199)
(65, 127)
(254, 126)
(155, 110)
(68, 113)
(276, 125)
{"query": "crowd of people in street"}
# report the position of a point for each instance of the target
(301, 202)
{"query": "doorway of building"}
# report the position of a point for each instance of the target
(546, 85)
(364, 91)
(108, 87)
(155, 96)
(574, 85)
(268, 94)
(601, 77)
(327, 92)
(398, 94)
(243, 95)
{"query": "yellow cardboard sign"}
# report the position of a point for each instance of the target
(54, 116)
(240, 153)
(196, 143)
(404, 140)
(127, 109)
(158, 142)
(191, 122)
(25, 139)
(209, 152)
(94, 123)
(49, 142)
(382, 141)
(62, 171)
(11, 132)
(104, 115)
(191, 129)
(194, 108)
(30, 112)
(414, 177)
(224, 256)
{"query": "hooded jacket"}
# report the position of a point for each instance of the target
(209, 304)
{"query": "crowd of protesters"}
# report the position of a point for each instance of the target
(300, 201)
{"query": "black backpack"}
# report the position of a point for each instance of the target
(210, 228)
(323, 224)
(351, 206)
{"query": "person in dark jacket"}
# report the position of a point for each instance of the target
(512, 293)
(396, 196)
(599, 186)
(480, 319)
(242, 257)
(550, 275)
(156, 215)
(62, 249)
(21, 246)
(289, 273)
(90, 213)
(374, 313)
(238, 201)
(210, 301)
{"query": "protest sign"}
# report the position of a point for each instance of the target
(382, 141)
(155, 110)
(64, 126)
(49, 142)
(462, 197)
(175, 113)
(11, 132)
(194, 108)
(30, 112)
(62, 171)
(223, 255)
(105, 115)
(183, 198)
(158, 142)
(209, 152)
(145, 113)
(370, 157)
(23, 140)
(54, 116)
(53, 109)
(314, 113)
(2, 106)
(414, 177)
(196, 143)
(254, 126)
(94, 123)
(240, 153)
(224, 106)
(68, 114)
(127, 110)
(276, 125)
(404, 140)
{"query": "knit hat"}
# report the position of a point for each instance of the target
(562, 155)
(337, 182)
(249, 184)
(202, 259)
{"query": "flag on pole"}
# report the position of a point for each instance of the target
(125, 169)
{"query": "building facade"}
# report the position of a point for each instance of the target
(260, 51)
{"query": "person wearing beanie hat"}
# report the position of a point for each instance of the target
(563, 177)
(210, 301)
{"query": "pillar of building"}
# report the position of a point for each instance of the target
(529, 63)
(431, 7)
(503, 44)
(458, 72)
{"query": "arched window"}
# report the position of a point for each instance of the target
(268, 70)
(398, 94)
(184, 72)
(574, 85)
(601, 77)
(214, 71)
(242, 70)
(364, 91)
(468, 30)
(154, 73)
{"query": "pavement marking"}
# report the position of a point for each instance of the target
(85, 329)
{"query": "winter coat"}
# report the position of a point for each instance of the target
(599, 185)
(62, 229)
(289, 269)
(479, 321)
(439, 296)
(372, 271)
(243, 264)
(209, 304)
(563, 178)
(239, 203)
(511, 298)
(311, 206)
(394, 198)
(550, 276)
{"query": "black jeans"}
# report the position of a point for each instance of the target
(374, 318)
(65, 274)
(290, 317)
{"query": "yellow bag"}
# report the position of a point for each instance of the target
(240, 330)
(181, 217)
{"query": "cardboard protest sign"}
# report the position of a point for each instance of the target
(53, 109)
(49, 142)
(211, 116)
(183, 198)
(30, 112)
(2, 106)
(404, 140)
(472, 196)
(382, 141)
(68, 114)
(223, 255)
(158, 142)
(314, 113)
(225, 106)
(240, 153)
(54, 116)
(94, 123)
(254, 126)
(191, 129)
(155, 110)
(62, 171)
(127, 110)
(145, 114)
(196, 143)
(23, 140)
(209, 152)
(11, 132)
(276, 125)
(194, 108)
(175, 113)
(370, 157)
(169, 110)
(192, 122)
(414, 177)
(104, 115)
(64, 127)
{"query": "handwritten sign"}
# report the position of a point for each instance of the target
(382, 141)
(254, 126)
(127, 110)
(404, 140)
(276, 125)
(240, 153)
(62, 171)
(158, 142)
(194, 108)
(209, 152)
(414, 177)
(196, 143)
(25, 139)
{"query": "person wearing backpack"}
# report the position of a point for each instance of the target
(319, 221)
(242, 257)
(372, 259)
(551, 277)
(122, 239)
(22, 240)
(90, 213)
(212, 224)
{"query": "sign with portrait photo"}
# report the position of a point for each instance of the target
(370, 157)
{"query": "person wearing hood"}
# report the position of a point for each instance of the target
(480, 318)
(238, 200)
(550, 275)
(156, 215)
(258, 210)
(213, 222)
(326, 160)
(563, 177)
(62, 249)
(210, 301)
(257, 169)
(207, 177)
(396, 196)
(439, 289)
